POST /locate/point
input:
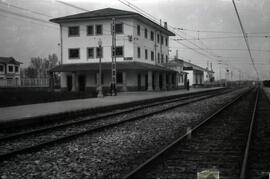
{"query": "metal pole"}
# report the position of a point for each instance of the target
(100, 94)
(113, 83)
(61, 45)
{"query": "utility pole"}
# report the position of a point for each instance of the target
(100, 94)
(219, 64)
(113, 83)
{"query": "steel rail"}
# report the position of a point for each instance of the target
(175, 142)
(110, 114)
(251, 126)
(96, 129)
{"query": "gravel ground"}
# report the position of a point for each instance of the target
(113, 152)
(37, 138)
(7, 132)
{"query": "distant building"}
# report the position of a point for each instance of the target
(195, 74)
(141, 51)
(178, 65)
(9, 72)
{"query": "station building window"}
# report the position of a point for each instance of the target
(138, 30)
(162, 39)
(119, 77)
(152, 56)
(167, 59)
(138, 52)
(90, 52)
(157, 38)
(90, 30)
(145, 33)
(158, 57)
(152, 36)
(99, 52)
(166, 41)
(16, 69)
(99, 29)
(74, 53)
(162, 58)
(1, 68)
(73, 31)
(146, 54)
(119, 51)
(119, 28)
(10, 68)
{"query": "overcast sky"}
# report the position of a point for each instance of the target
(24, 38)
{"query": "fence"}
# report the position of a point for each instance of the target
(25, 82)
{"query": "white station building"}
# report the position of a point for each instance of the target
(197, 76)
(141, 51)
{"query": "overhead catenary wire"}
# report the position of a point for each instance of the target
(29, 17)
(136, 8)
(246, 39)
(206, 53)
(71, 5)
(130, 5)
(219, 32)
(225, 49)
(224, 37)
(207, 31)
(24, 9)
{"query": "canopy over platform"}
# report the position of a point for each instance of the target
(107, 66)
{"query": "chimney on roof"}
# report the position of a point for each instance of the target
(165, 25)
(160, 22)
(211, 66)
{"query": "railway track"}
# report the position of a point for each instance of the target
(220, 143)
(34, 140)
(81, 116)
(258, 157)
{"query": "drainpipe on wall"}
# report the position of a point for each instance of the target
(155, 49)
(61, 45)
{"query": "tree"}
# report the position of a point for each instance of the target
(39, 67)
(30, 72)
(52, 60)
(36, 63)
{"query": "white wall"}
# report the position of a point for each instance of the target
(84, 41)
(148, 44)
(130, 48)
(190, 77)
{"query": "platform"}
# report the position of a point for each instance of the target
(24, 112)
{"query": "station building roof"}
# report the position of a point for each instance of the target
(109, 13)
(9, 60)
(107, 66)
(188, 66)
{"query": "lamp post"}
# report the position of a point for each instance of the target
(100, 94)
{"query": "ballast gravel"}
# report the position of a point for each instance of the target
(113, 152)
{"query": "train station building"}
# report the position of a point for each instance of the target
(141, 51)
(197, 75)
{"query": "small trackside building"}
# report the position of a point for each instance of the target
(9, 72)
(196, 75)
(141, 51)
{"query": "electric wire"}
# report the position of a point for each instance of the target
(245, 37)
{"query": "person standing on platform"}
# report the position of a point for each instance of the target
(187, 85)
